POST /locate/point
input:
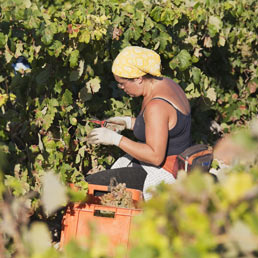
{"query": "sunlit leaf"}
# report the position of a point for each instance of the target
(156, 13)
(27, 3)
(215, 22)
(237, 185)
(207, 42)
(74, 58)
(196, 72)
(53, 193)
(85, 37)
(241, 234)
(39, 238)
(8, 56)
(211, 94)
(56, 48)
(222, 40)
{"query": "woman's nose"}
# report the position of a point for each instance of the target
(120, 86)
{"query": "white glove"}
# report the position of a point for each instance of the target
(122, 122)
(104, 136)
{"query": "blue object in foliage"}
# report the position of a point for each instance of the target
(21, 63)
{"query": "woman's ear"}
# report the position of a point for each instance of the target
(138, 80)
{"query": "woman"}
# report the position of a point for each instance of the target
(162, 126)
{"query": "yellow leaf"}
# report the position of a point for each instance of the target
(211, 94)
(19, 49)
(216, 22)
(222, 40)
(27, 3)
(8, 55)
(3, 99)
(12, 97)
(207, 42)
(237, 185)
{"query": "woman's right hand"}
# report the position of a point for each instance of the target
(120, 122)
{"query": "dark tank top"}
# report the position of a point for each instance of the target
(179, 137)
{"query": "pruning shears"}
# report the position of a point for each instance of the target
(102, 123)
(110, 125)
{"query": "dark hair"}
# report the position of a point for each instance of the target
(150, 76)
(146, 76)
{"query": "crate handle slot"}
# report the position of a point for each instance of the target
(99, 192)
(100, 188)
(104, 213)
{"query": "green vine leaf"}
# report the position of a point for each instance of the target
(215, 24)
(91, 87)
(84, 36)
(47, 36)
(67, 98)
(74, 58)
(184, 59)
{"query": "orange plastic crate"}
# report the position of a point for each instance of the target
(113, 222)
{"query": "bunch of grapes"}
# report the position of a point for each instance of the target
(118, 197)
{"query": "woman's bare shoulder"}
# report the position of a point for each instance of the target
(173, 93)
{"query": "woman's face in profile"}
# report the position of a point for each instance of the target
(129, 86)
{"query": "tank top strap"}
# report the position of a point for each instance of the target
(169, 102)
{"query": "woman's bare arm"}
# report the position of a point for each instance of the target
(156, 118)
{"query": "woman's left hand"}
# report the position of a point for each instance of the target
(104, 136)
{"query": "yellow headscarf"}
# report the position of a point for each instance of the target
(133, 62)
